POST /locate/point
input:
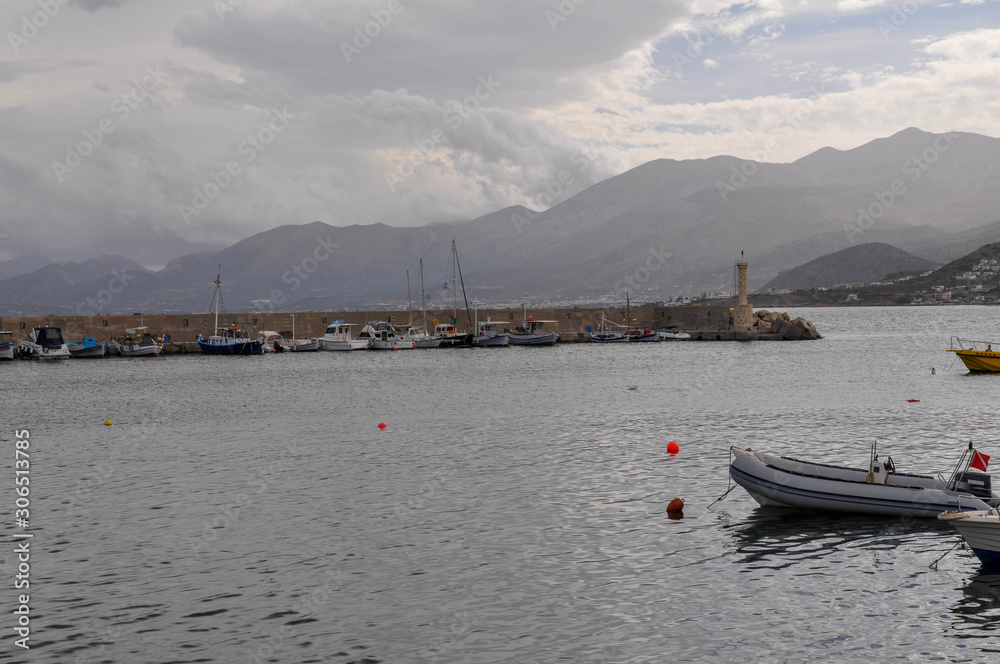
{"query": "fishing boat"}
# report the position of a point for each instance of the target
(981, 531)
(779, 481)
(87, 347)
(230, 340)
(978, 356)
(7, 345)
(636, 332)
(381, 335)
(532, 332)
(300, 345)
(671, 333)
(486, 335)
(137, 342)
(338, 337)
(605, 335)
(43, 343)
(420, 338)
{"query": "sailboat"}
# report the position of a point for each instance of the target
(232, 340)
(450, 336)
(418, 333)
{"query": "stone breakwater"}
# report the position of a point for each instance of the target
(707, 323)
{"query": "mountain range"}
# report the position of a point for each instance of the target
(662, 229)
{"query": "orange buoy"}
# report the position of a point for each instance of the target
(675, 505)
(673, 447)
(914, 400)
(382, 425)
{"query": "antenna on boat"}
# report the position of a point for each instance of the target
(961, 466)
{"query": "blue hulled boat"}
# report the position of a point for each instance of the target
(87, 347)
(232, 340)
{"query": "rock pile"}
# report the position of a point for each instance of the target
(779, 322)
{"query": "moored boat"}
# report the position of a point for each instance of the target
(978, 356)
(7, 345)
(296, 345)
(381, 335)
(338, 337)
(231, 340)
(779, 481)
(137, 342)
(87, 347)
(671, 333)
(532, 332)
(605, 335)
(43, 343)
(980, 530)
(449, 334)
(420, 338)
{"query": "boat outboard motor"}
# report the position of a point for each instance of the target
(978, 484)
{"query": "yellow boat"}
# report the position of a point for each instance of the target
(974, 358)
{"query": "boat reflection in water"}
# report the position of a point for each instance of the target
(777, 538)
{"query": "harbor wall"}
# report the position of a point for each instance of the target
(571, 323)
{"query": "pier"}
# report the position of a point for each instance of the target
(703, 323)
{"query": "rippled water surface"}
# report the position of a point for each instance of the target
(249, 509)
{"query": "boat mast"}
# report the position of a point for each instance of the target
(218, 296)
(454, 286)
(293, 325)
(409, 300)
(423, 298)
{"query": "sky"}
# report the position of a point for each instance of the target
(155, 128)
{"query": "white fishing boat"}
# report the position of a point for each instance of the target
(980, 530)
(300, 345)
(43, 343)
(7, 345)
(532, 332)
(381, 335)
(137, 342)
(607, 335)
(779, 481)
(338, 337)
(671, 333)
(485, 333)
(420, 338)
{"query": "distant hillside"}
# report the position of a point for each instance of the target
(15, 267)
(864, 263)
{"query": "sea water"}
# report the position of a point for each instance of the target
(250, 509)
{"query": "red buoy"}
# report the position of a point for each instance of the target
(675, 505)
(382, 425)
(673, 447)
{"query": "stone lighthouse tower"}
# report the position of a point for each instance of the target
(743, 312)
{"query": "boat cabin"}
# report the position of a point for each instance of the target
(48, 337)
